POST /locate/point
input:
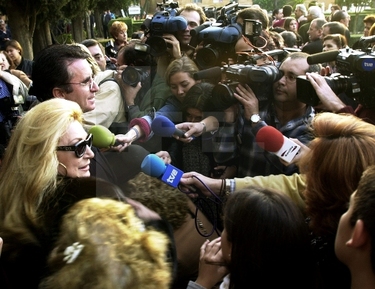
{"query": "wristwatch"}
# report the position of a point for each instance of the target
(255, 118)
(131, 106)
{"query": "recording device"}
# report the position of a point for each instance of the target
(259, 78)
(273, 141)
(164, 127)
(218, 45)
(153, 166)
(102, 137)
(162, 22)
(170, 7)
(355, 76)
(132, 75)
(213, 73)
(110, 50)
(194, 33)
(228, 14)
(252, 29)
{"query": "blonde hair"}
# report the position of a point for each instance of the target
(183, 64)
(30, 165)
(118, 252)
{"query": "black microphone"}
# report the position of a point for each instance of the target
(164, 127)
(321, 57)
(213, 72)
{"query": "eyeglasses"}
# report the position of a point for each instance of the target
(89, 82)
(79, 148)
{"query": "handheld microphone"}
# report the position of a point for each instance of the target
(321, 57)
(273, 141)
(102, 137)
(153, 166)
(212, 73)
(164, 127)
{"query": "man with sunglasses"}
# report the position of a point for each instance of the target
(63, 71)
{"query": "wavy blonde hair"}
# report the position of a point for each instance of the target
(344, 146)
(118, 251)
(30, 165)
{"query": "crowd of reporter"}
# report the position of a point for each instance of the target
(217, 85)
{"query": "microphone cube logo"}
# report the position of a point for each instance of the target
(172, 176)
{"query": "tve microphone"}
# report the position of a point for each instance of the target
(153, 166)
(270, 139)
(321, 57)
(102, 137)
(164, 127)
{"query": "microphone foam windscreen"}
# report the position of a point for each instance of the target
(163, 126)
(153, 166)
(102, 136)
(269, 138)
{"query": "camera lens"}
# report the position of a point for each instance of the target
(157, 44)
(131, 76)
(207, 57)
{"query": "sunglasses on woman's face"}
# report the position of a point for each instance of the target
(79, 148)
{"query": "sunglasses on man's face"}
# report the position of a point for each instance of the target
(79, 148)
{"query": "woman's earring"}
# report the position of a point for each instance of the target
(64, 166)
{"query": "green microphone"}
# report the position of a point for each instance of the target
(102, 137)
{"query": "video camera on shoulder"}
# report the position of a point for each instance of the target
(162, 22)
(170, 7)
(355, 77)
(218, 44)
(259, 78)
(139, 63)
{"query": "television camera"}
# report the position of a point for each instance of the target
(169, 6)
(259, 77)
(355, 77)
(219, 42)
(162, 22)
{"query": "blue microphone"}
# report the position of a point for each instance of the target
(153, 166)
(164, 127)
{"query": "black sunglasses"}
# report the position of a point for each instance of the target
(79, 148)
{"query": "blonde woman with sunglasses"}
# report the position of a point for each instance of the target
(47, 142)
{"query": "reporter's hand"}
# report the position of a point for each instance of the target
(211, 264)
(191, 179)
(191, 128)
(302, 152)
(123, 140)
(329, 100)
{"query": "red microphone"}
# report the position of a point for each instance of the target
(273, 141)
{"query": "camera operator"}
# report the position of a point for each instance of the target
(331, 102)
(178, 43)
(149, 91)
(265, 42)
(284, 112)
